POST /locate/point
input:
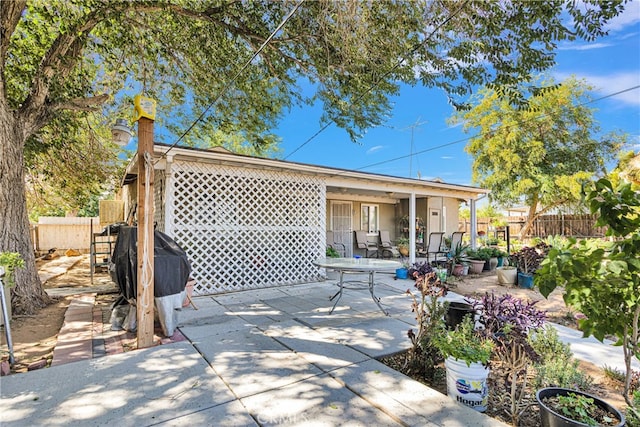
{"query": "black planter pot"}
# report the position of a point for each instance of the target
(549, 418)
(456, 312)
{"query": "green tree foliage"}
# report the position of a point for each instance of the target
(537, 155)
(61, 59)
(602, 279)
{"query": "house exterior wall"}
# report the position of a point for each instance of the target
(245, 228)
(451, 215)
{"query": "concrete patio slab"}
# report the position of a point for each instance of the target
(318, 401)
(129, 389)
(251, 362)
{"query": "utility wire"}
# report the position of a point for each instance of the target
(486, 133)
(235, 77)
(384, 75)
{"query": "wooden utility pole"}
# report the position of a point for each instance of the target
(145, 245)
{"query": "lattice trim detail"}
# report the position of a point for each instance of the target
(246, 228)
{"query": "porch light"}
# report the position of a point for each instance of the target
(121, 133)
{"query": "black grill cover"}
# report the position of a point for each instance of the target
(171, 264)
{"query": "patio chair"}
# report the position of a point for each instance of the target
(456, 239)
(435, 254)
(362, 242)
(385, 248)
(339, 247)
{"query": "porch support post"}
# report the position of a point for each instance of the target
(412, 228)
(474, 222)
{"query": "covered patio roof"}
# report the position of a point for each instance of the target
(342, 184)
(339, 181)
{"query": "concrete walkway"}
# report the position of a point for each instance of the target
(262, 357)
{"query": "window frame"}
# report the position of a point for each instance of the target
(365, 225)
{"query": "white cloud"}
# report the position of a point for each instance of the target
(612, 83)
(447, 157)
(587, 46)
(375, 149)
(629, 16)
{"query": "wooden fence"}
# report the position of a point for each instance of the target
(64, 233)
(579, 226)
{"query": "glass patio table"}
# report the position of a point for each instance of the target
(357, 265)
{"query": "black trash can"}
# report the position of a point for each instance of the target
(456, 312)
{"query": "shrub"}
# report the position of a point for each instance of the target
(556, 367)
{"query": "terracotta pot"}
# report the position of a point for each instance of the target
(458, 269)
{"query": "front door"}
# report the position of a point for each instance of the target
(341, 225)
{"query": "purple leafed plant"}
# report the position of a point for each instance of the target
(420, 269)
(508, 321)
(528, 259)
(506, 311)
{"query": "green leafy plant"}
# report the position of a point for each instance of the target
(11, 261)
(577, 408)
(632, 414)
(602, 280)
(402, 241)
(459, 253)
(429, 312)
(465, 343)
(332, 253)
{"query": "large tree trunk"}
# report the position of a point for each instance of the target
(15, 236)
(531, 217)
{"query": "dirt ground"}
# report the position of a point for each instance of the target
(34, 337)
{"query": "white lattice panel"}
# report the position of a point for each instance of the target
(246, 228)
(159, 183)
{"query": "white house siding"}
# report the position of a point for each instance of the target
(245, 228)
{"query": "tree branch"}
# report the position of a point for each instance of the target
(10, 13)
(82, 104)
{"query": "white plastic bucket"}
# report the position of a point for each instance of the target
(467, 384)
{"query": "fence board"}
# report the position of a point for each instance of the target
(573, 225)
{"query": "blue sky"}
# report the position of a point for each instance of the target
(610, 64)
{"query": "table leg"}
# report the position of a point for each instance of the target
(373, 296)
(337, 294)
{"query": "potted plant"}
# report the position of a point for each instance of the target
(332, 253)
(500, 255)
(403, 245)
(458, 257)
(467, 355)
(507, 275)
(527, 260)
(566, 407)
(475, 260)
(601, 277)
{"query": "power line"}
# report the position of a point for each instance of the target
(235, 77)
(384, 75)
(486, 133)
